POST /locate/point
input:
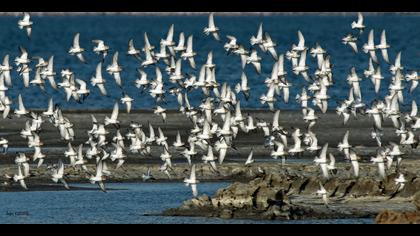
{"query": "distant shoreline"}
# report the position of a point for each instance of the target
(203, 13)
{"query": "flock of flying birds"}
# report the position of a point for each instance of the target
(220, 101)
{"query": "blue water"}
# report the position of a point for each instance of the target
(127, 203)
(53, 35)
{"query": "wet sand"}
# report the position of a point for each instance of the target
(329, 129)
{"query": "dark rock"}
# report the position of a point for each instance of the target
(344, 188)
(310, 186)
(265, 196)
(238, 195)
(226, 214)
(240, 173)
(416, 200)
(202, 201)
(410, 188)
(197, 203)
(365, 187)
(257, 180)
(332, 187)
(389, 184)
(281, 181)
(276, 212)
(298, 184)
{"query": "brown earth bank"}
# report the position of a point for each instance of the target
(392, 217)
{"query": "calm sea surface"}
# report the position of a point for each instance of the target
(53, 35)
(127, 203)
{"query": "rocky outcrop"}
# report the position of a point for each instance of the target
(393, 217)
(416, 200)
(285, 196)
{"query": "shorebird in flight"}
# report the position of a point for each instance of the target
(26, 23)
(75, 49)
(211, 28)
(100, 48)
(99, 176)
(58, 175)
(359, 25)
